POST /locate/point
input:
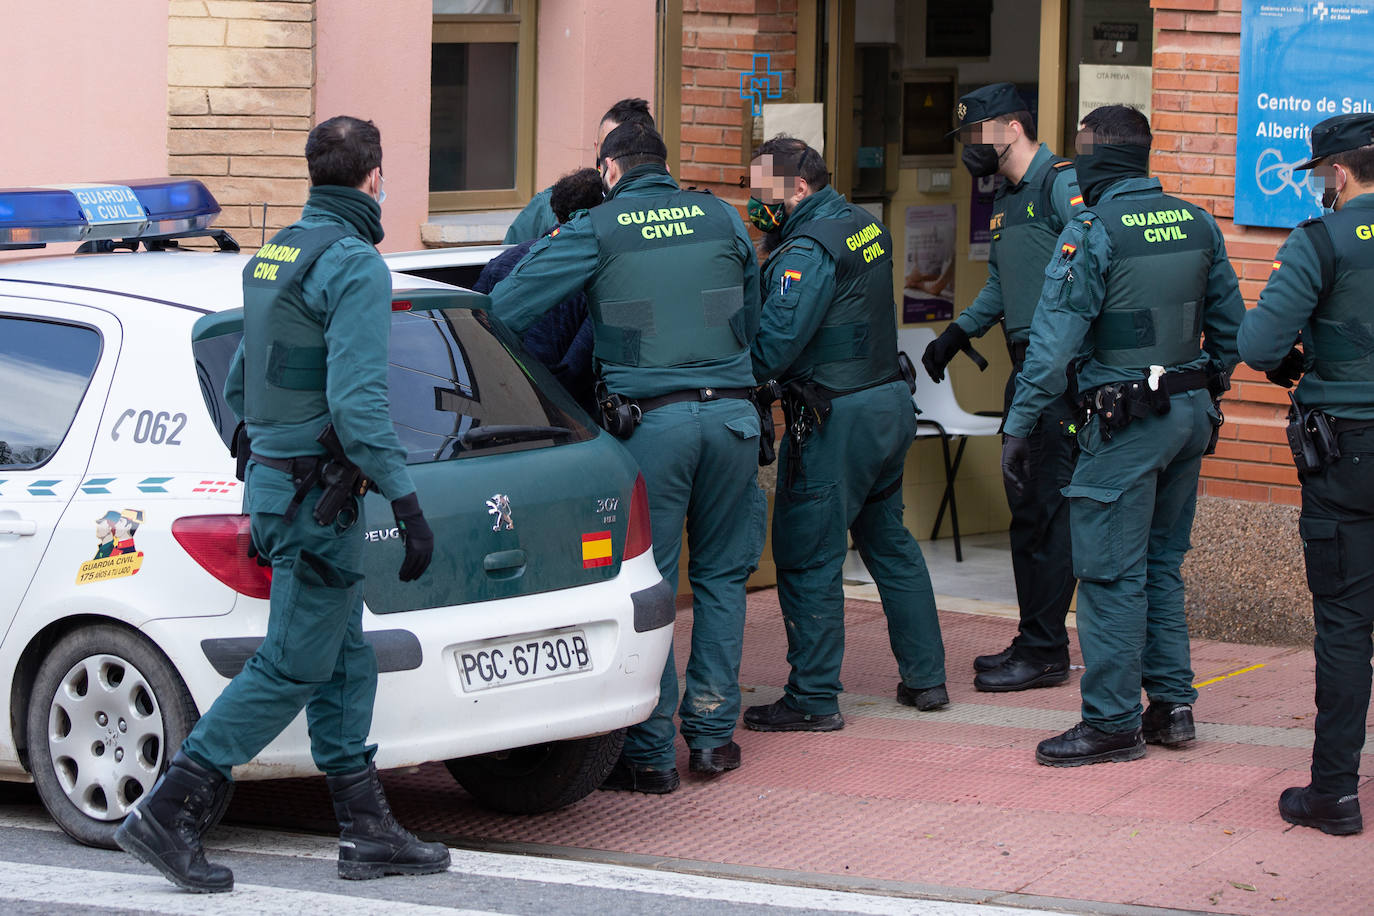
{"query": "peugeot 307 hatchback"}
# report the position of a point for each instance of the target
(534, 639)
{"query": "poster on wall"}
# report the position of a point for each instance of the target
(980, 216)
(929, 287)
(1300, 63)
(1110, 84)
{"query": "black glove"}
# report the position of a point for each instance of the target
(1289, 369)
(254, 553)
(415, 533)
(1016, 461)
(943, 349)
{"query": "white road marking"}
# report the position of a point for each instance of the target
(152, 894)
(535, 869)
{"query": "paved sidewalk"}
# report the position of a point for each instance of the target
(951, 803)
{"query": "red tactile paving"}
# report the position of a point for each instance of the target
(945, 799)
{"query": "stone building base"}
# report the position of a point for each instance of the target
(1244, 579)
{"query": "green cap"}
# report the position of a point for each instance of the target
(1338, 135)
(987, 103)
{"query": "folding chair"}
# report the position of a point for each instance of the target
(940, 415)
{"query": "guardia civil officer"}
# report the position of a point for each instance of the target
(1038, 198)
(672, 288)
(538, 217)
(829, 334)
(1319, 295)
(1134, 283)
(314, 352)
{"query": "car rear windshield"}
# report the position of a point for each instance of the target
(459, 386)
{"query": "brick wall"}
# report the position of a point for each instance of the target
(1196, 76)
(240, 104)
(719, 40)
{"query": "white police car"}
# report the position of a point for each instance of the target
(128, 600)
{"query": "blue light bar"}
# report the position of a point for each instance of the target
(148, 208)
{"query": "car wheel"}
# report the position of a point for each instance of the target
(106, 714)
(541, 777)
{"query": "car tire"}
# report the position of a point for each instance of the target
(541, 777)
(106, 714)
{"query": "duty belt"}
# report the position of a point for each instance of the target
(692, 394)
(831, 394)
(1118, 403)
(1341, 425)
(297, 468)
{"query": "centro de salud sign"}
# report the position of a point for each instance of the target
(1300, 63)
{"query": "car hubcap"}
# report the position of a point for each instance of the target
(105, 736)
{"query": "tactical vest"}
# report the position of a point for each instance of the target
(1162, 252)
(1340, 333)
(856, 344)
(669, 288)
(1024, 229)
(284, 350)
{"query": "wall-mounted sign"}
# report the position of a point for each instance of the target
(1110, 84)
(1300, 63)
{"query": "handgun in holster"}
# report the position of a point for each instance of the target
(804, 409)
(1311, 438)
(763, 397)
(618, 415)
(342, 482)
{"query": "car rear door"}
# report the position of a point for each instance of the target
(57, 361)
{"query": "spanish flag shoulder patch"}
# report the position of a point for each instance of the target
(1075, 201)
(1066, 250)
(1277, 265)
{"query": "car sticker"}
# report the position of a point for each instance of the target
(596, 549)
(499, 506)
(116, 556)
(154, 428)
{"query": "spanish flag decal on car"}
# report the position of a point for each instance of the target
(596, 549)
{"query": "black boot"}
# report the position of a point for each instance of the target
(1169, 724)
(371, 843)
(164, 829)
(1334, 814)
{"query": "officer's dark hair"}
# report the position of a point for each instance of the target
(1020, 117)
(1358, 162)
(794, 157)
(627, 110)
(579, 190)
(634, 143)
(342, 151)
(1118, 125)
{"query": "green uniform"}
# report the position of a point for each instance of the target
(532, 222)
(1137, 280)
(672, 290)
(828, 317)
(1332, 312)
(1026, 221)
(314, 351)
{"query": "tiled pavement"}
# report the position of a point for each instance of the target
(952, 803)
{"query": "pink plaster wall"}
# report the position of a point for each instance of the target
(58, 124)
(591, 55)
(372, 62)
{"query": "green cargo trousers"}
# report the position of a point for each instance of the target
(700, 465)
(313, 656)
(1131, 506)
(847, 478)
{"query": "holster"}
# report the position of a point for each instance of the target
(240, 449)
(804, 408)
(1311, 438)
(617, 415)
(343, 482)
(763, 397)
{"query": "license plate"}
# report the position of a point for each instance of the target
(517, 661)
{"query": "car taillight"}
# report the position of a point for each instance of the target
(640, 536)
(220, 544)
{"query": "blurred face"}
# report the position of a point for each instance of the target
(1083, 143)
(770, 182)
(1328, 181)
(604, 128)
(998, 133)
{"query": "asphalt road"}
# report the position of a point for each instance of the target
(43, 871)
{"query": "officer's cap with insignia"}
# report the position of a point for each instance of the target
(987, 103)
(1339, 135)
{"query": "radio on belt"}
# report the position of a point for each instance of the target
(152, 211)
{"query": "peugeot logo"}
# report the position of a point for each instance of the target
(499, 506)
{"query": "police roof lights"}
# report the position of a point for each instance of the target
(152, 208)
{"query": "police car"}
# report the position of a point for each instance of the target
(128, 600)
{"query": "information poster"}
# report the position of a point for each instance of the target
(1300, 63)
(929, 292)
(1110, 84)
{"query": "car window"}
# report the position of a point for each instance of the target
(460, 386)
(45, 367)
(458, 383)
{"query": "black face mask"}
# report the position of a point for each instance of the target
(1107, 164)
(1329, 195)
(983, 159)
